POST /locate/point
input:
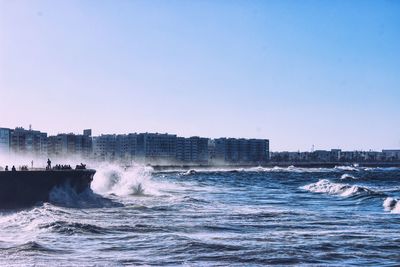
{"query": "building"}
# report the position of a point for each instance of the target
(28, 141)
(144, 147)
(70, 145)
(87, 132)
(104, 147)
(240, 151)
(121, 147)
(335, 155)
(152, 148)
(287, 156)
(156, 148)
(125, 147)
(182, 149)
(391, 154)
(5, 139)
(192, 150)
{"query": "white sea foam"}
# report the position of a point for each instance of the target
(383, 169)
(347, 168)
(392, 205)
(347, 176)
(190, 172)
(344, 190)
(19, 227)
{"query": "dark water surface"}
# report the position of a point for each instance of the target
(282, 216)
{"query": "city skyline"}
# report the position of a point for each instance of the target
(94, 135)
(296, 73)
(164, 148)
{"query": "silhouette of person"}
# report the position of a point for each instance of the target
(48, 163)
(6, 168)
(13, 168)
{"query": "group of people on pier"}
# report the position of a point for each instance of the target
(48, 167)
(62, 167)
(12, 169)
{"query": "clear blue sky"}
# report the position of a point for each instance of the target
(297, 72)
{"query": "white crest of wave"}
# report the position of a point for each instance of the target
(347, 168)
(392, 205)
(344, 190)
(19, 227)
(121, 181)
(347, 176)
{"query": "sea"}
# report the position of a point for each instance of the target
(342, 216)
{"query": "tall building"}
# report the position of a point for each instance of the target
(28, 141)
(232, 150)
(87, 132)
(152, 148)
(155, 147)
(5, 137)
(144, 147)
(104, 147)
(125, 147)
(192, 150)
(70, 145)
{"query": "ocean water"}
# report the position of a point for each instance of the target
(247, 217)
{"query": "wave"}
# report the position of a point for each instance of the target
(383, 169)
(190, 172)
(347, 176)
(347, 168)
(66, 196)
(392, 205)
(33, 246)
(70, 228)
(112, 179)
(287, 169)
(258, 169)
(291, 168)
(344, 190)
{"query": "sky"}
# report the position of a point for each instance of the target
(300, 73)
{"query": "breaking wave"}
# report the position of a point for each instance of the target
(347, 176)
(66, 196)
(258, 169)
(109, 181)
(289, 169)
(112, 179)
(190, 172)
(392, 205)
(344, 190)
(347, 168)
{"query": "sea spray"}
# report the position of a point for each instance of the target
(124, 181)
